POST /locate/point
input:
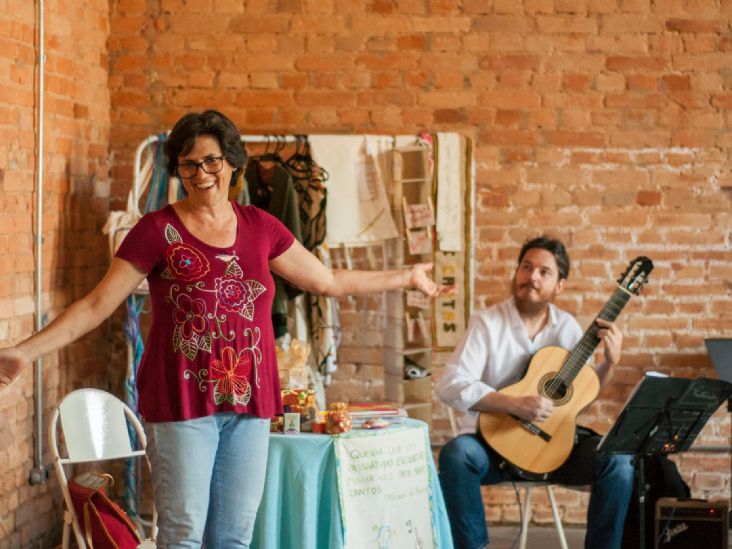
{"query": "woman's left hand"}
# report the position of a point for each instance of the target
(420, 280)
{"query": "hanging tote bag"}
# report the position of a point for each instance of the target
(151, 175)
(104, 523)
(120, 222)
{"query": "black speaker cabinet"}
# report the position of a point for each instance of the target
(684, 524)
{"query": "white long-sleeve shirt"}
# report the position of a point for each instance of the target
(494, 352)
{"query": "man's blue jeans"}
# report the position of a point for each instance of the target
(465, 465)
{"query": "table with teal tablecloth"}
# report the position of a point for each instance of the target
(301, 508)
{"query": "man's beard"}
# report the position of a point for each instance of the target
(528, 307)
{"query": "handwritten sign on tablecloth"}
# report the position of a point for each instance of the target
(384, 488)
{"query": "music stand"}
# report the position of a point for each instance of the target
(663, 415)
(720, 351)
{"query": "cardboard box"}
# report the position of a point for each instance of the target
(422, 412)
(418, 390)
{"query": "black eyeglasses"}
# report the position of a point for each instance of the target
(188, 170)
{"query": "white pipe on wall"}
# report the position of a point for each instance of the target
(38, 474)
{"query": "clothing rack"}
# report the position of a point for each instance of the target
(145, 144)
(253, 138)
(266, 138)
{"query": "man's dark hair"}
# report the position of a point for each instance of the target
(552, 245)
(183, 136)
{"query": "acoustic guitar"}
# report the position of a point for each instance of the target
(535, 449)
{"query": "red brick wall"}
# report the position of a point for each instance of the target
(605, 123)
(75, 197)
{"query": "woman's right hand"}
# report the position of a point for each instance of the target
(11, 364)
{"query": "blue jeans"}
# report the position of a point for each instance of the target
(208, 477)
(465, 465)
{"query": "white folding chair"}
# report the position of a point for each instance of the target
(526, 511)
(526, 505)
(94, 425)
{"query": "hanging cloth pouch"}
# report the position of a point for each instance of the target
(152, 174)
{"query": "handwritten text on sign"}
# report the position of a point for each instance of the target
(384, 490)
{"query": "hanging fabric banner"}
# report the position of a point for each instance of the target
(358, 209)
(450, 318)
(451, 190)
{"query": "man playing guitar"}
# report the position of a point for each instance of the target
(493, 354)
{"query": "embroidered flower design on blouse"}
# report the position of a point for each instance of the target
(203, 319)
(190, 316)
(186, 262)
(191, 331)
(237, 296)
(233, 374)
(232, 293)
(229, 375)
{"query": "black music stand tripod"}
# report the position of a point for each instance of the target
(663, 415)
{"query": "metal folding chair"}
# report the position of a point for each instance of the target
(94, 425)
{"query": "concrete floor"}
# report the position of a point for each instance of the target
(544, 537)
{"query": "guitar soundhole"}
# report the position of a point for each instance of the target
(553, 388)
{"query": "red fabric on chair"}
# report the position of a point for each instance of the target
(105, 524)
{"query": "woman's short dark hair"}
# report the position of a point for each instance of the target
(551, 245)
(183, 136)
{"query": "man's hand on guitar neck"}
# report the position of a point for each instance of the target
(612, 339)
(531, 408)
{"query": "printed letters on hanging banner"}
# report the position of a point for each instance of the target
(450, 319)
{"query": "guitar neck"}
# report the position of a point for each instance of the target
(582, 352)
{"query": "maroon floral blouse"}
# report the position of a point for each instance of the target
(211, 344)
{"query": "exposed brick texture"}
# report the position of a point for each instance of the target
(606, 123)
(75, 198)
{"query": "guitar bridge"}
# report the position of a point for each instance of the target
(533, 429)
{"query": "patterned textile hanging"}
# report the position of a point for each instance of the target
(155, 180)
(271, 188)
(158, 196)
(322, 314)
(309, 180)
(325, 326)
(135, 347)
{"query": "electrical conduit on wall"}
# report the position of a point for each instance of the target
(38, 472)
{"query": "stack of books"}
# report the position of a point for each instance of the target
(363, 411)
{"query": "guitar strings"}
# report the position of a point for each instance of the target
(581, 353)
(578, 357)
(588, 342)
